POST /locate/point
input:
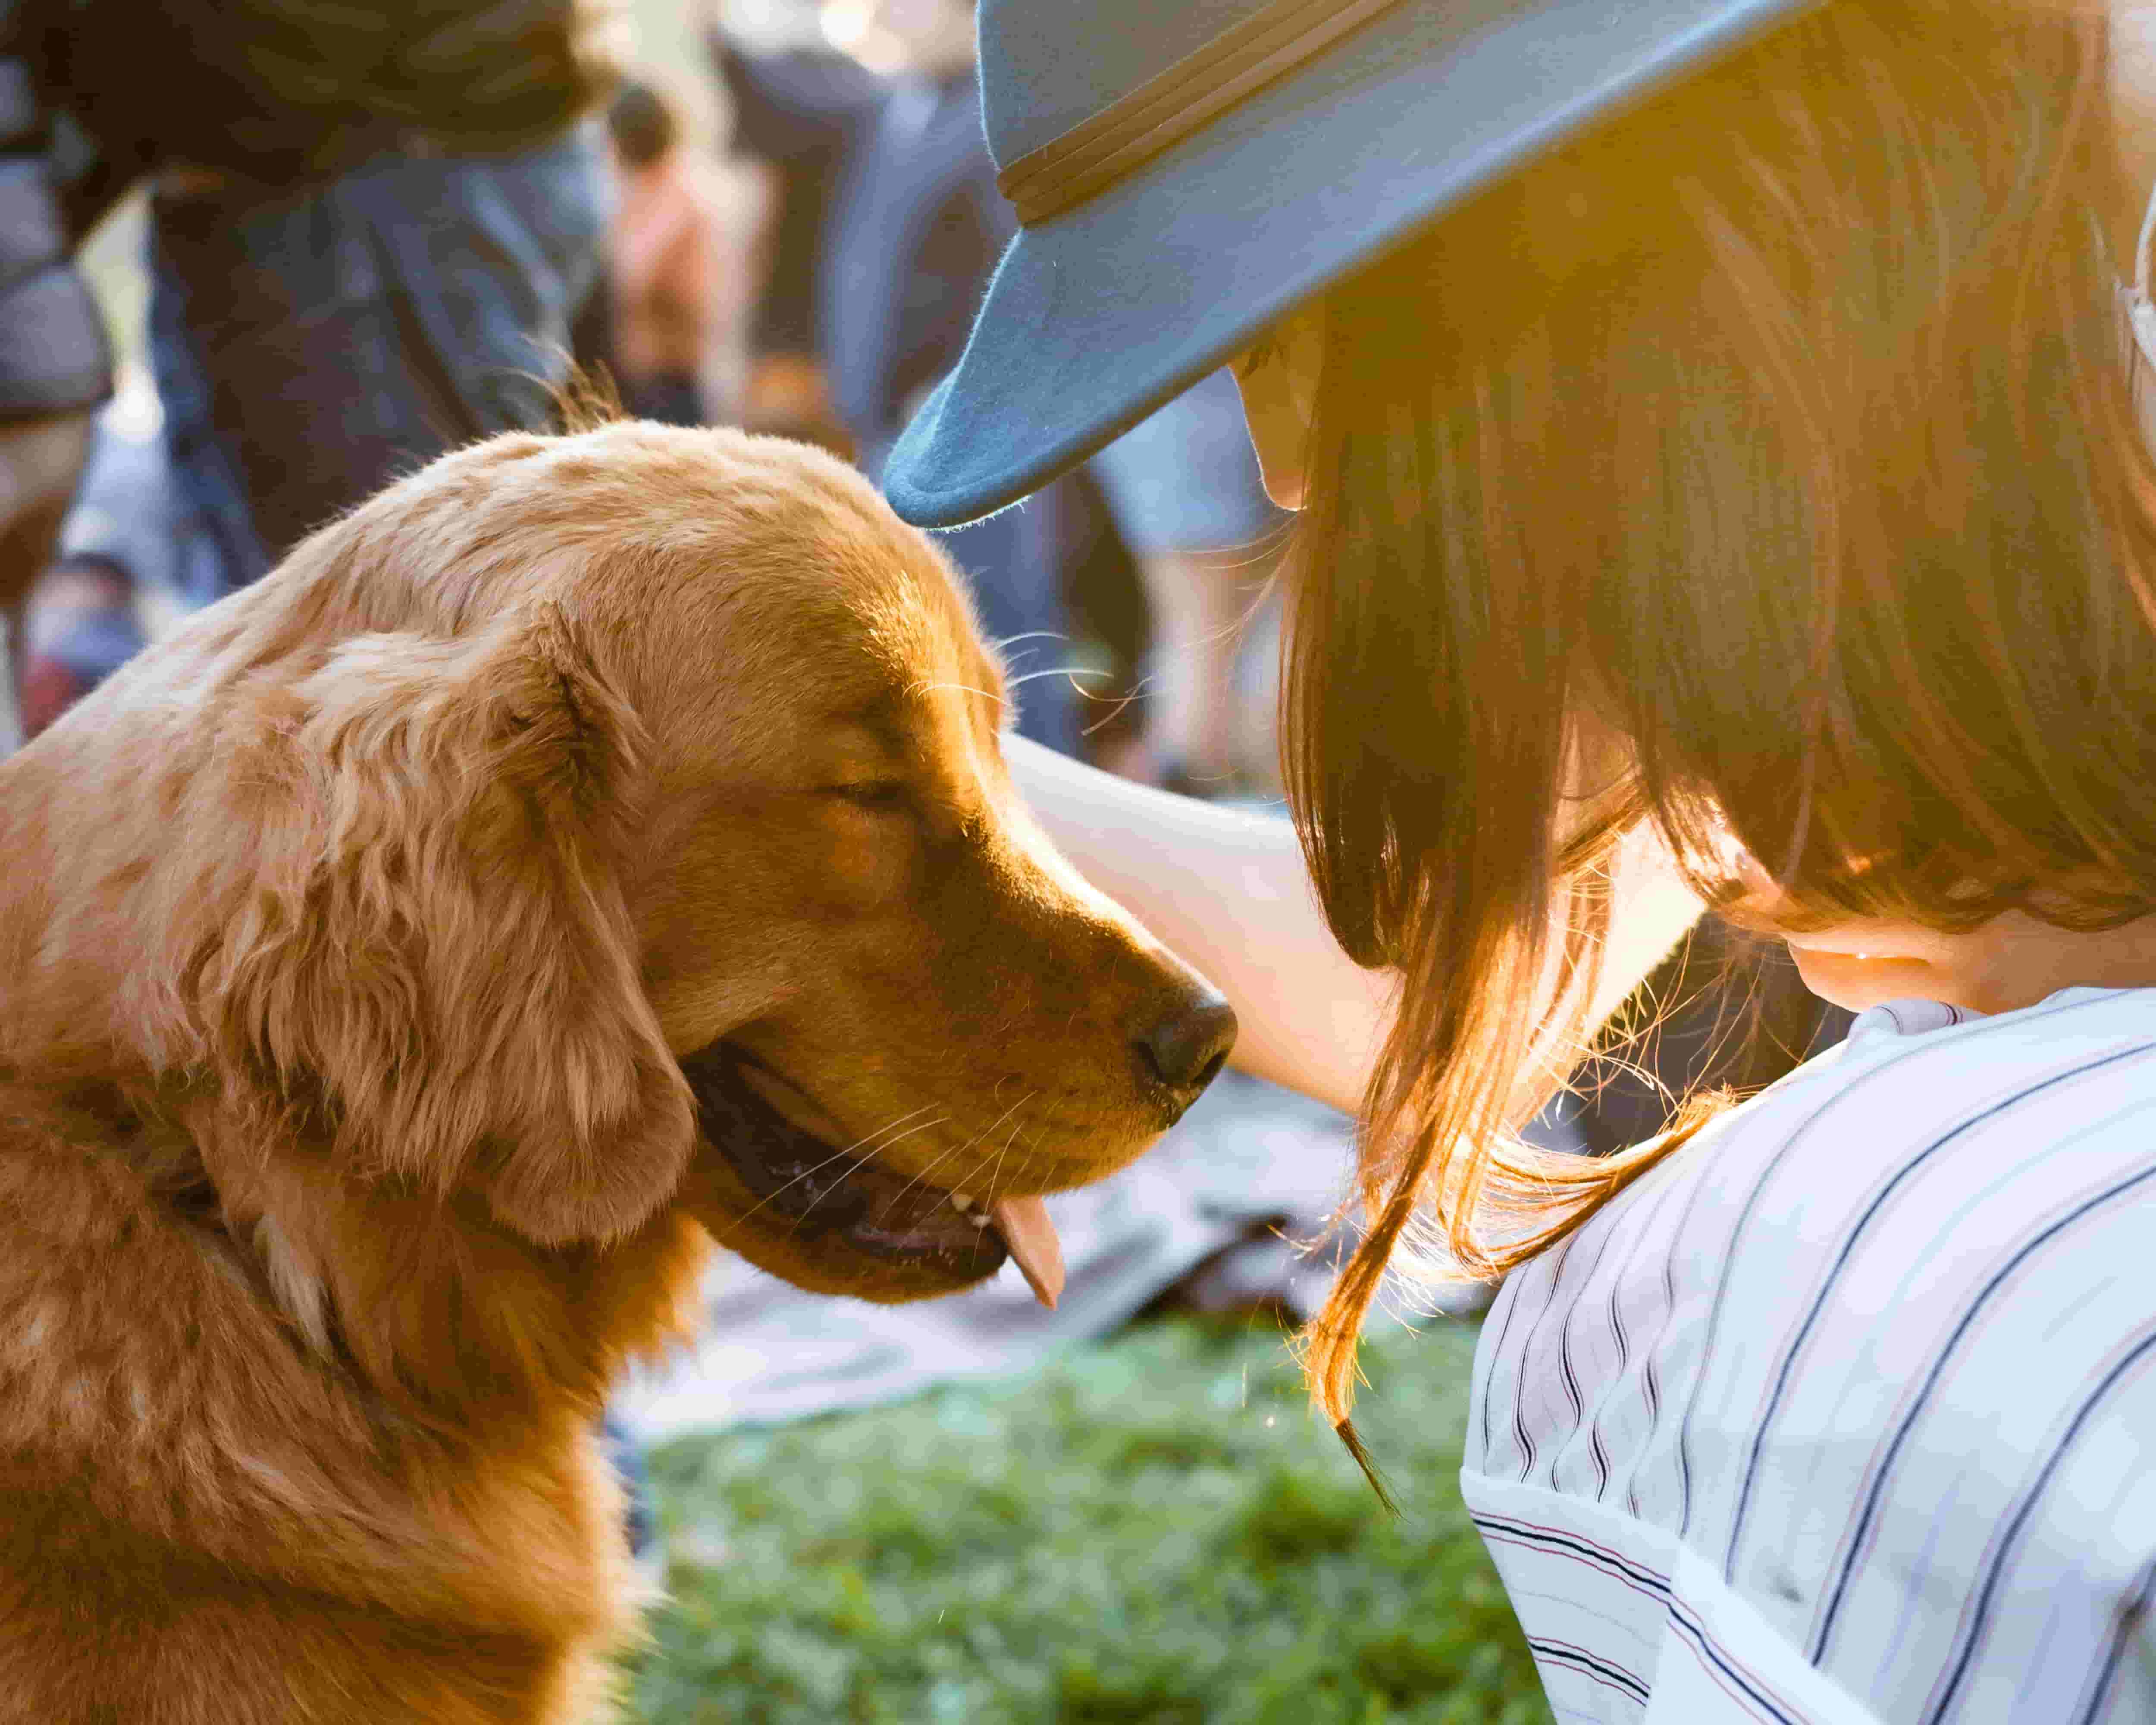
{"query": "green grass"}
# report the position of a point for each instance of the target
(1150, 1533)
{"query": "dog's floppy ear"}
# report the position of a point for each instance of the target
(425, 941)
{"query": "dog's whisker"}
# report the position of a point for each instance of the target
(927, 688)
(780, 1191)
(949, 1151)
(1015, 1125)
(1032, 1154)
(1072, 671)
(920, 1178)
(1116, 704)
(925, 1125)
(809, 1209)
(1003, 1150)
(869, 1139)
(1000, 1119)
(840, 1155)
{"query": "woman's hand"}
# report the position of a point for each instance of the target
(1227, 891)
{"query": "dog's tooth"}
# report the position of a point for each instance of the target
(978, 1219)
(961, 1203)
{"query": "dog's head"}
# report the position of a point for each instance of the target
(588, 825)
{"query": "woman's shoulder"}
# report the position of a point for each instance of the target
(1854, 1210)
(1929, 1135)
(1920, 1100)
(1936, 1198)
(1882, 1336)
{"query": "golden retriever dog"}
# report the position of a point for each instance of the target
(590, 849)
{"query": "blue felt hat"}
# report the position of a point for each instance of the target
(1331, 127)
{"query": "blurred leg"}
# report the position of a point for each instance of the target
(1201, 603)
(39, 463)
(1011, 560)
(79, 628)
(1185, 491)
(55, 365)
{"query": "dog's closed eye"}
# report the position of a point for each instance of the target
(870, 793)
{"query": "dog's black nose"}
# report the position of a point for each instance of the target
(1185, 1049)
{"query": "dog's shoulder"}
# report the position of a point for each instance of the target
(173, 1440)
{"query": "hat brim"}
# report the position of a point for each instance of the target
(1092, 320)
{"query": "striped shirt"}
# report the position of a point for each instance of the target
(1846, 1414)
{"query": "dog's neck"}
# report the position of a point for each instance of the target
(431, 1310)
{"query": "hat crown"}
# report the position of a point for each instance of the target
(1048, 65)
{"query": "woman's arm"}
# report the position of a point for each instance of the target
(1227, 890)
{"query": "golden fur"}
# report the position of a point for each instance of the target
(350, 945)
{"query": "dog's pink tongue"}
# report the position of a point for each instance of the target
(1023, 1224)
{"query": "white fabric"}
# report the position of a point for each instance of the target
(1846, 1414)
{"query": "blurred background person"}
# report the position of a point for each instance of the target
(798, 106)
(675, 281)
(369, 227)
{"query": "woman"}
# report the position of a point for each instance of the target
(1711, 432)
